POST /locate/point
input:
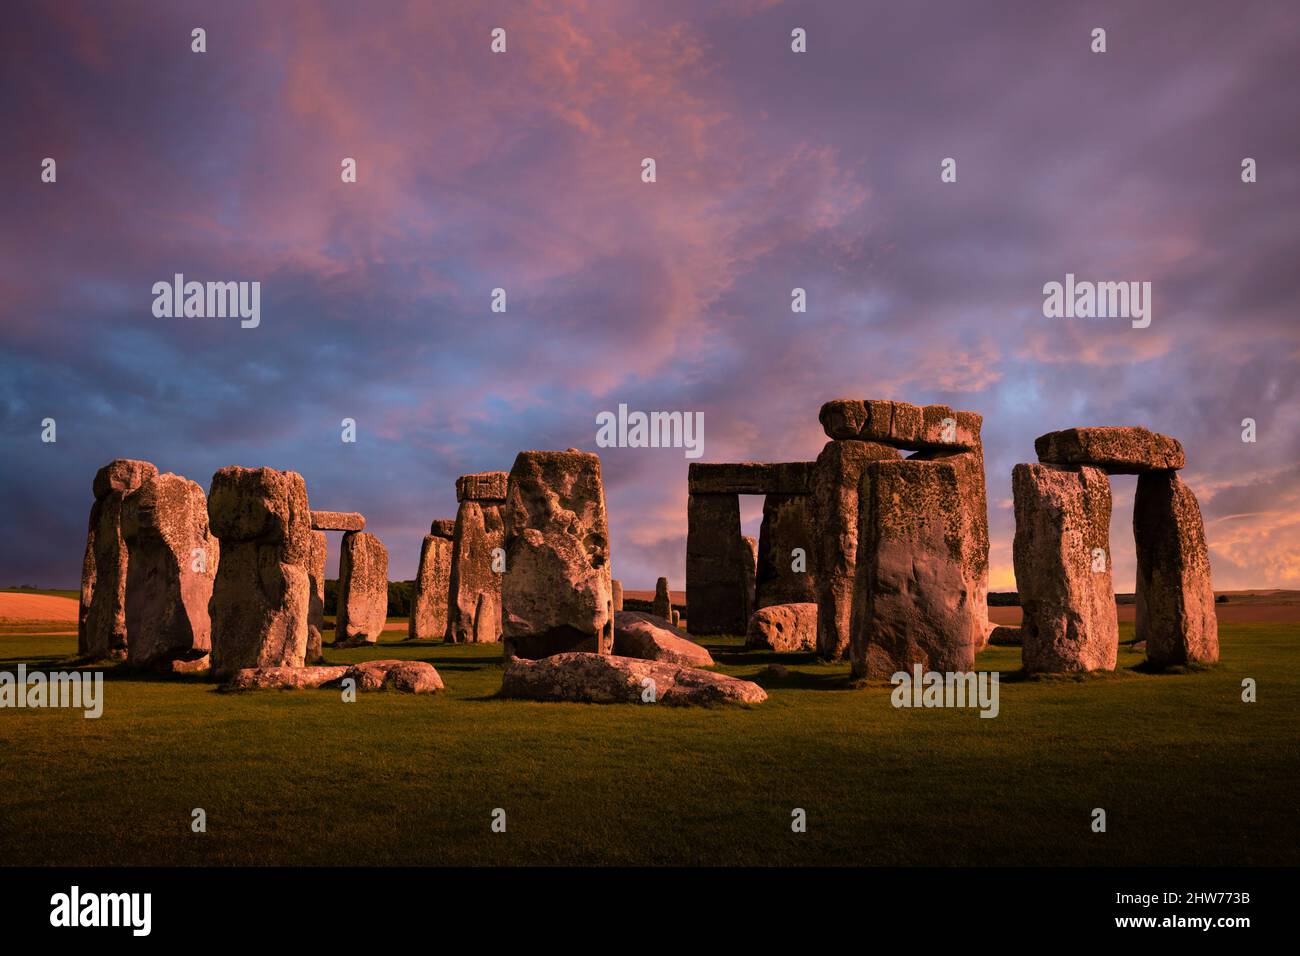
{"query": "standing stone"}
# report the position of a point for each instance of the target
(719, 571)
(101, 617)
(172, 564)
(915, 599)
(662, 606)
(556, 594)
(837, 478)
(487, 619)
(1062, 562)
(478, 533)
(749, 570)
(787, 527)
(428, 619)
(316, 597)
(676, 618)
(1175, 599)
(363, 589)
(617, 586)
(262, 594)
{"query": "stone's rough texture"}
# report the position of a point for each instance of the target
(662, 606)
(479, 532)
(1175, 599)
(749, 568)
(101, 617)
(919, 590)
(443, 528)
(171, 567)
(719, 566)
(915, 427)
(487, 618)
(1118, 450)
(284, 678)
(617, 587)
(261, 598)
(363, 589)
(556, 594)
(651, 638)
(784, 627)
(1006, 635)
(605, 679)
(316, 596)
(409, 677)
(484, 486)
(836, 481)
(749, 478)
(428, 621)
(337, 521)
(787, 526)
(1062, 516)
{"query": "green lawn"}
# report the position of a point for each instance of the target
(1187, 773)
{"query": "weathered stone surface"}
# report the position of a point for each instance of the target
(409, 677)
(677, 618)
(483, 486)
(749, 570)
(606, 679)
(783, 627)
(1006, 635)
(363, 589)
(316, 596)
(172, 564)
(719, 566)
(337, 521)
(787, 526)
(651, 638)
(749, 478)
(443, 528)
(101, 617)
(915, 427)
(556, 594)
(662, 606)
(1117, 450)
(837, 478)
(284, 678)
(617, 587)
(261, 597)
(1069, 621)
(479, 532)
(428, 621)
(1175, 599)
(487, 618)
(918, 596)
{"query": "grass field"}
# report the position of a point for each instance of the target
(1187, 773)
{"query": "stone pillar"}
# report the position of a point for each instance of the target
(432, 584)
(717, 584)
(556, 594)
(171, 567)
(478, 533)
(1175, 599)
(663, 602)
(316, 596)
(101, 617)
(363, 589)
(261, 597)
(787, 525)
(1063, 573)
(617, 586)
(749, 568)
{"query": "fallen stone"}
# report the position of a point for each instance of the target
(409, 677)
(606, 679)
(337, 521)
(649, 637)
(749, 478)
(316, 597)
(783, 627)
(284, 678)
(363, 589)
(936, 428)
(662, 606)
(1006, 635)
(428, 620)
(1117, 450)
(483, 486)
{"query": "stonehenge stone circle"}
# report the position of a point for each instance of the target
(316, 596)
(783, 627)
(1175, 599)
(172, 563)
(607, 679)
(651, 638)
(363, 589)
(478, 532)
(337, 521)
(1062, 563)
(428, 619)
(556, 594)
(261, 596)
(1116, 450)
(662, 606)
(101, 617)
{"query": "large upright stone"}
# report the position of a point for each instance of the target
(786, 571)
(363, 589)
(1062, 562)
(172, 563)
(1175, 599)
(474, 570)
(917, 592)
(261, 598)
(749, 568)
(1117, 450)
(316, 596)
(101, 618)
(556, 594)
(719, 567)
(617, 587)
(662, 606)
(837, 478)
(428, 619)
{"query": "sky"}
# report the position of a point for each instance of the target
(522, 170)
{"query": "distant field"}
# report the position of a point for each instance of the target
(1187, 773)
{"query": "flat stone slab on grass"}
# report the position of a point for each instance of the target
(605, 679)
(648, 637)
(1115, 449)
(410, 677)
(284, 678)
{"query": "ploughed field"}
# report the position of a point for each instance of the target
(1187, 773)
